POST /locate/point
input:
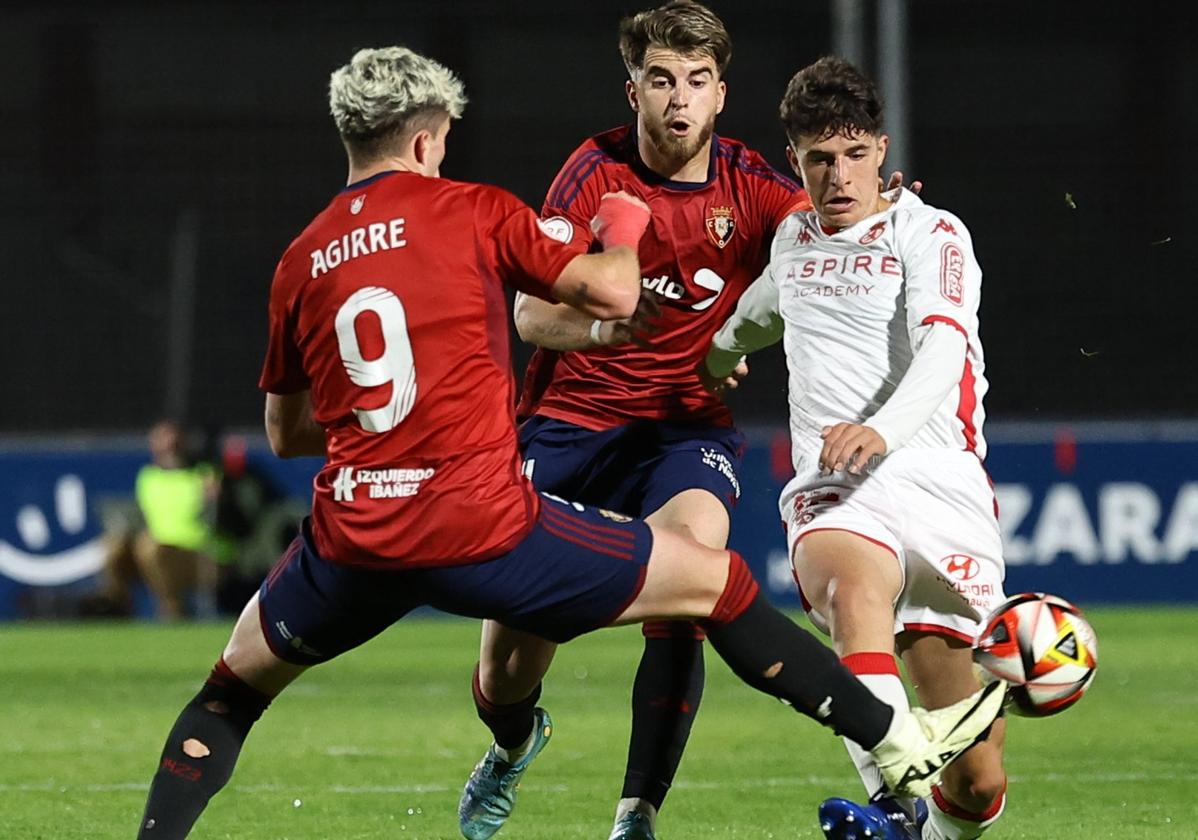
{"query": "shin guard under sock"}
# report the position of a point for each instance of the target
(774, 655)
(200, 753)
(665, 698)
(879, 672)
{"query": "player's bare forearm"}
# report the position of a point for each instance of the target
(290, 428)
(604, 286)
(554, 326)
(560, 327)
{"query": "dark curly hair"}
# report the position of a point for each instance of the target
(683, 26)
(830, 97)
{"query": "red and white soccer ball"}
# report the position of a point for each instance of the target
(1044, 647)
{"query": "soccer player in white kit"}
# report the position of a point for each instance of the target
(891, 517)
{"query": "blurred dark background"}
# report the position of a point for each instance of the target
(158, 157)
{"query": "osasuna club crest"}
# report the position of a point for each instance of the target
(720, 226)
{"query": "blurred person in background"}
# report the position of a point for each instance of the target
(169, 547)
(252, 522)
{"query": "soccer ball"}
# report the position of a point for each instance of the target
(1044, 647)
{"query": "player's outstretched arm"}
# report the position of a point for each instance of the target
(755, 324)
(290, 428)
(559, 327)
(598, 288)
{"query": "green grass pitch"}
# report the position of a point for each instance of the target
(378, 743)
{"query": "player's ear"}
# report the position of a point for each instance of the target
(793, 159)
(630, 92)
(420, 145)
(883, 145)
(721, 91)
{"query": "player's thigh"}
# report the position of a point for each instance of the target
(690, 481)
(683, 580)
(311, 610)
(940, 666)
(840, 567)
(575, 463)
(577, 570)
(953, 547)
(511, 662)
(695, 513)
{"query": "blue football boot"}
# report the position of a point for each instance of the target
(632, 826)
(490, 792)
(883, 819)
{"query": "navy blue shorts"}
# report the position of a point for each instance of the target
(576, 571)
(635, 468)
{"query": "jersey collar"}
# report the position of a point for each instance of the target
(650, 177)
(366, 182)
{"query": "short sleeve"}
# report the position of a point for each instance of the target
(573, 199)
(283, 370)
(943, 278)
(521, 249)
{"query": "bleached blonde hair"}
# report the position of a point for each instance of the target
(382, 92)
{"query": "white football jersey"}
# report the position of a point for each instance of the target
(852, 302)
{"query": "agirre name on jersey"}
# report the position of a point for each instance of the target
(359, 242)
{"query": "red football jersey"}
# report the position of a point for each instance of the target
(705, 244)
(390, 309)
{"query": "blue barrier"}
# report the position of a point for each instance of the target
(1109, 519)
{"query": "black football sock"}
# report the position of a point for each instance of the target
(510, 723)
(200, 753)
(665, 698)
(774, 655)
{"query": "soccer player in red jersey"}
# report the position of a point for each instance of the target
(387, 354)
(615, 415)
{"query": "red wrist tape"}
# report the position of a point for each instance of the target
(619, 222)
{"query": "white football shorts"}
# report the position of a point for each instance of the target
(935, 510)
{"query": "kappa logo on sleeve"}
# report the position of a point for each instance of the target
(952, 274)
(945, 226)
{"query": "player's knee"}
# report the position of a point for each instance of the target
(692, 572)
(226, 695)
(737, 593)
(976, 785)
(845, 597)
(497, 684)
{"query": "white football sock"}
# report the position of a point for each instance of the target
(948, 821)
(879, 673)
